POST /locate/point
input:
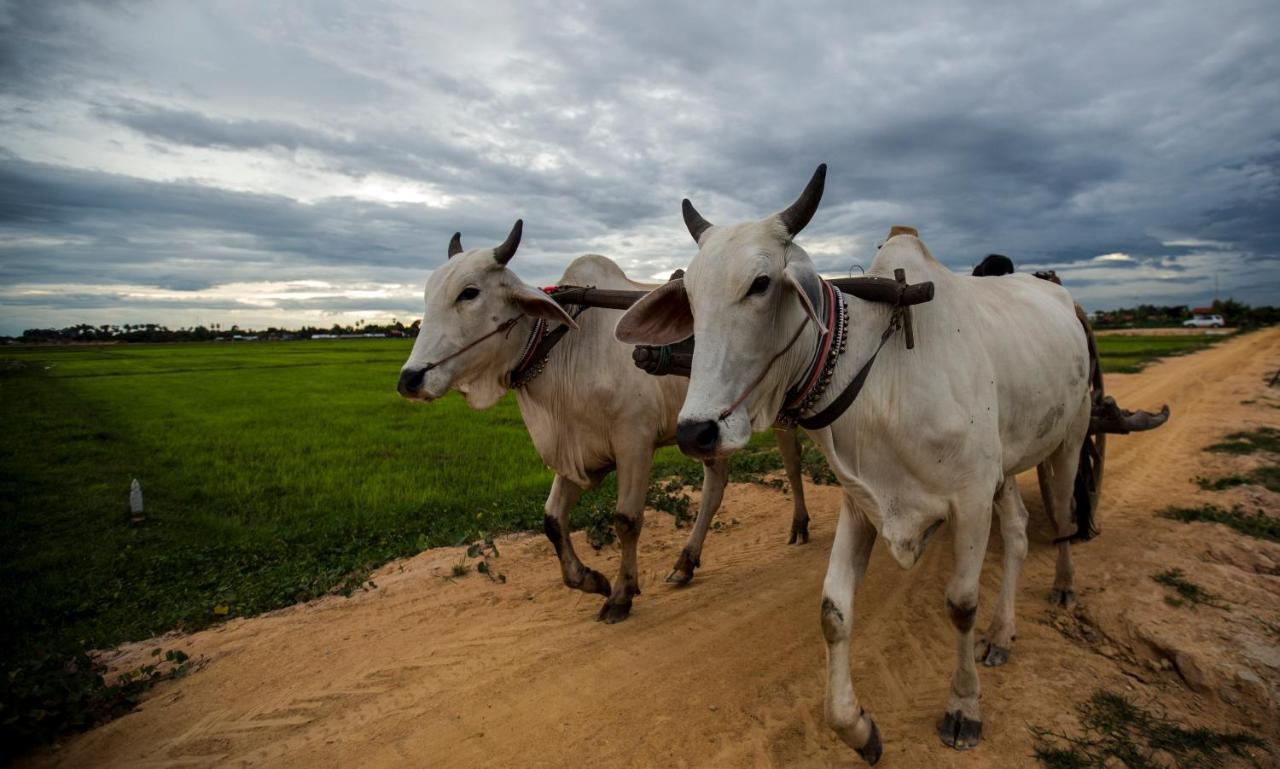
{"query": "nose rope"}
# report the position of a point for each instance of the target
(751, 388)
(503, 326)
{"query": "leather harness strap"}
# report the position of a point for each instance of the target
(846, 397)
(539, 346)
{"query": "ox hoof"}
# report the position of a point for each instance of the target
(595, 582)
(1064, 597)
(682, 572)
(873, 749)
(995, 656)
(799, 533)
(991, 654)
(612, 613)
(959, 732)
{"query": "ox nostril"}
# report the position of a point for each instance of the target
(699, 438)
(411, 381)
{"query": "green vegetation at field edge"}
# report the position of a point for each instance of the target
(1116, 729)
(1131, 354)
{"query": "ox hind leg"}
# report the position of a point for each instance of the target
(789, 447)
(961, 727)
(1057, 486)
(715, 477)
(633, 487)
(1058, 482)
(849, 555)
(994, 646)
(564, 495)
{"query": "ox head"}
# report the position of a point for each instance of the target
(467, 299)
(743, 297)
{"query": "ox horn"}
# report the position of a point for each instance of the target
(801, 211)
(455, 245)
(503, 253)
(694, 221)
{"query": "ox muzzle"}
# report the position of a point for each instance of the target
(410, 385)
(698, 438)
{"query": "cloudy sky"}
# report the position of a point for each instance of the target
(268, 163)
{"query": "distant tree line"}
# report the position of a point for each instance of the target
(152, 332)
(1151, 316)
(1143, 316)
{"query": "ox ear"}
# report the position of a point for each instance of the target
(808, 287)
(661, 317)
(537, 304)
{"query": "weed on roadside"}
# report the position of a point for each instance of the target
(1267, 476)
(1188, 591)
(1117, 730)
(1257, 524)
(1249, 442)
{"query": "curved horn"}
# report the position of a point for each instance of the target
(455, 245)
(801, 211)
(503, 253)
(694, 221)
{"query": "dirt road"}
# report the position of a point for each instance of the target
(427, 671)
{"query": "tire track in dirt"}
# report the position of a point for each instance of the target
(728, 672)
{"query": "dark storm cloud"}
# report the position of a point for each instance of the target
(188, 147)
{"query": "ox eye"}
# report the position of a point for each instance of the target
(759, 285)
(468, 293)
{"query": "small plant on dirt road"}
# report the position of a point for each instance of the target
(1187, 590)
(1259, 524)
(484, 550)
(1118, 732)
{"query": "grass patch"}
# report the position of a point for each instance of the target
(1117, 729)
(1258, 524)
(1188, 591)
(1267, 476)
(1131, 354)
(1249, 442)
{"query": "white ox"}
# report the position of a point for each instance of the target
(589, 411)
(996, 384)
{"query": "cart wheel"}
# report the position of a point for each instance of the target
(1094, 451)
(1095, 444)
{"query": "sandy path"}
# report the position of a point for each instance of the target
(429, 672)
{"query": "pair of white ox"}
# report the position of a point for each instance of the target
(997, 384)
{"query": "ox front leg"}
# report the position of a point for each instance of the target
(564, 495)
(994, 647)
(715, 477)
(961, 727)
(789, 447)
(849, 555)
(633, 486)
